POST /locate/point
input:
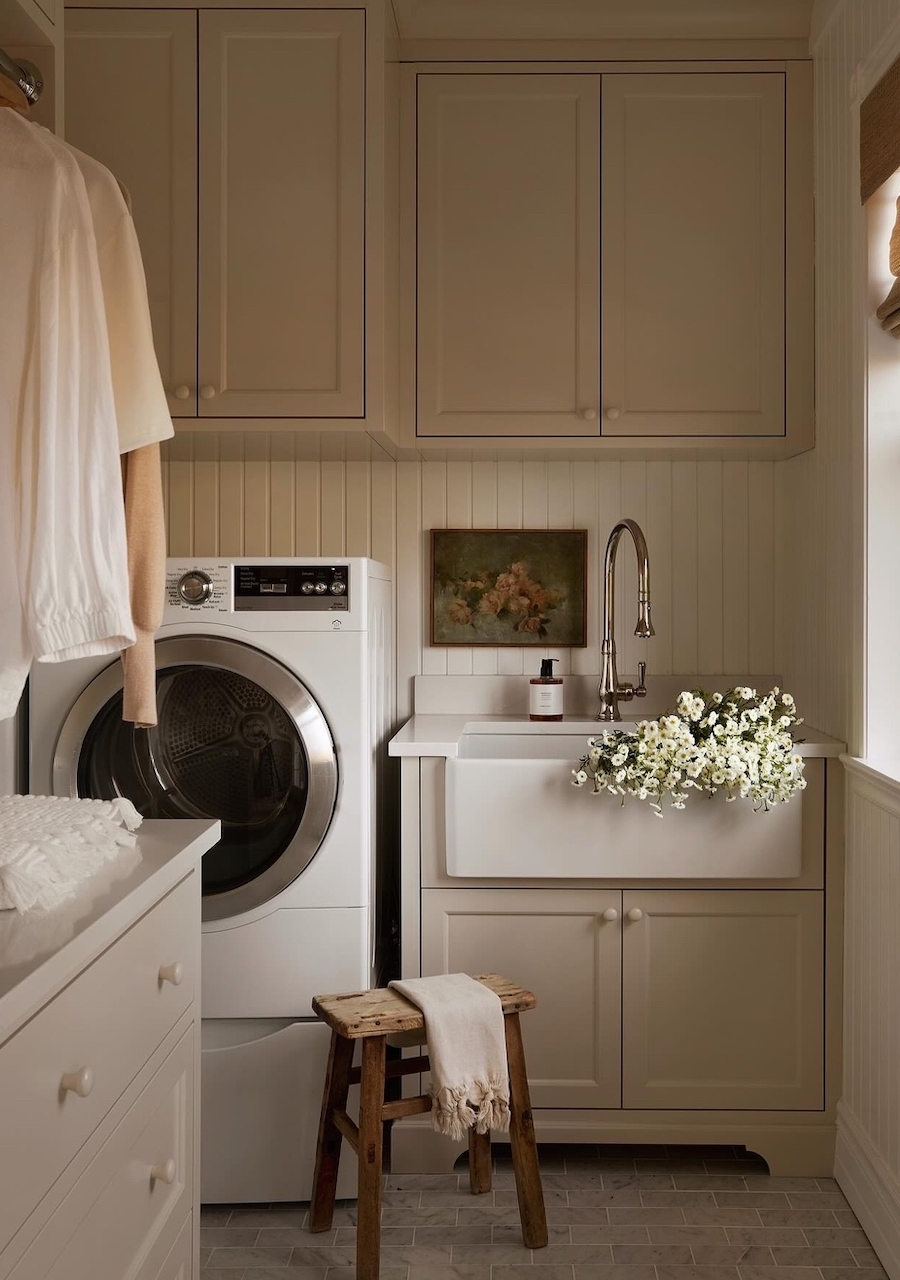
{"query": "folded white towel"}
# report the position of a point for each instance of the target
(50, 844)
(466, 1036)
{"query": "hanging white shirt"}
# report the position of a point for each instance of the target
(63, 564)
(142, 411)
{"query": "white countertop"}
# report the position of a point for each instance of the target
(439, 735)
(41, 951)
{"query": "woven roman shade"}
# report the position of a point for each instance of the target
(879, 133)
(879, 157)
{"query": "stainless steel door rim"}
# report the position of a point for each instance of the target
(299, 706)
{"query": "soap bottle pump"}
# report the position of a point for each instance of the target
(545, 693)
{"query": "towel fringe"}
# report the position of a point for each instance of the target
(473, 1105)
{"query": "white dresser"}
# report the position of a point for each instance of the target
(99, 1071)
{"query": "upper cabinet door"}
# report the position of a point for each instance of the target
(693, 265)
(508, 256)
(131, 92)
(282, 127)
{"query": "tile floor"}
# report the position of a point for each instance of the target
(614, 1213)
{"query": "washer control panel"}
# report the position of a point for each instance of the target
(206, 589)
(297, 587)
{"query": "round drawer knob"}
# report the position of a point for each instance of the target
(589, 414)
(207, 393)
(610, 914)
(171, 973)
(80, 1082)
(635, 914)
(163, 1172)
(612, 413)
(182, 392)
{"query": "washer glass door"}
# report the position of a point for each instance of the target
(239, 738)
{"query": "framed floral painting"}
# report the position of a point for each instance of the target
(508, 587)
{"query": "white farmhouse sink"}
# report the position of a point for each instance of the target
(512, 812)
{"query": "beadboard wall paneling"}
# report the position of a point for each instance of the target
(710, 529)
(819, 494)
(867, 1160)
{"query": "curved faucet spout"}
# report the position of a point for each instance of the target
(610, 691)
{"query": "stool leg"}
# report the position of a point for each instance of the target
(328, 1148)
(521, 1136)
(479, 1162)
(371, 1103)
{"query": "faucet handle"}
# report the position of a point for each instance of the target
(640, 689)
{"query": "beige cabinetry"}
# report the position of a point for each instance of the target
(255, 271)
(651, 999)
(558, 944)
(623, 256)
(722, 999)
(101, 1152)
(145, 62)
(669, 1010)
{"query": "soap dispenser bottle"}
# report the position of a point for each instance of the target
(545, 693)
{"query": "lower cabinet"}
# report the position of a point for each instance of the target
(651, 1000)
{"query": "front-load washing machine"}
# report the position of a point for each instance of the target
(275, 696)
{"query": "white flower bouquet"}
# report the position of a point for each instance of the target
(736, 741)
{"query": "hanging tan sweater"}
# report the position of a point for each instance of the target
(146, 539)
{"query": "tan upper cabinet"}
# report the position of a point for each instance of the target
(622, 255)
(257, 296)
(131, 91)
(508, 327)
(282, 120)
(693, 263)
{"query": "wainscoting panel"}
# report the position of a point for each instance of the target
(867, 1159)
(710, 528)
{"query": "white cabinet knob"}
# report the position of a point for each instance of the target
(207, 393)
(163, 1172)
(182, 392)
(589, 414)
(635, 914)
(610, 914)
(612, 413)
(171, 973)
(80, 1082)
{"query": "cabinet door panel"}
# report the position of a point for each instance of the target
(557, 945)
(722, 1000)
(282, 124)
(693, 255)
(507, 196)
(131, 92)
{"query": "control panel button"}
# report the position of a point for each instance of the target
(195, 587)
(321, 588)
(338, 588)
(307, 588)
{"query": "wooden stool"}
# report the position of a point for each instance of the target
(371, 1016)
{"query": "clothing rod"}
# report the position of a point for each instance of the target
(24, 74)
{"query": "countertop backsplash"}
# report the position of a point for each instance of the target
(508, 695)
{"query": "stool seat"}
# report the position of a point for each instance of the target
(371, 1017)
(383, 1011)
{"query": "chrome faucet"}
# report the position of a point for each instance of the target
(610, 690)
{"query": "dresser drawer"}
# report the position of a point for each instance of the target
(119, 1219)
(98, 1033)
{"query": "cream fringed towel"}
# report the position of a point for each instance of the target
(464, 1027)
(50, 844)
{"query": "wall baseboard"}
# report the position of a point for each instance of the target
(871, 1189)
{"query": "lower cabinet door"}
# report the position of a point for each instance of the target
(722, 999)
(560, 945)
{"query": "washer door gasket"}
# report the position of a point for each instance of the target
(239, 738)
